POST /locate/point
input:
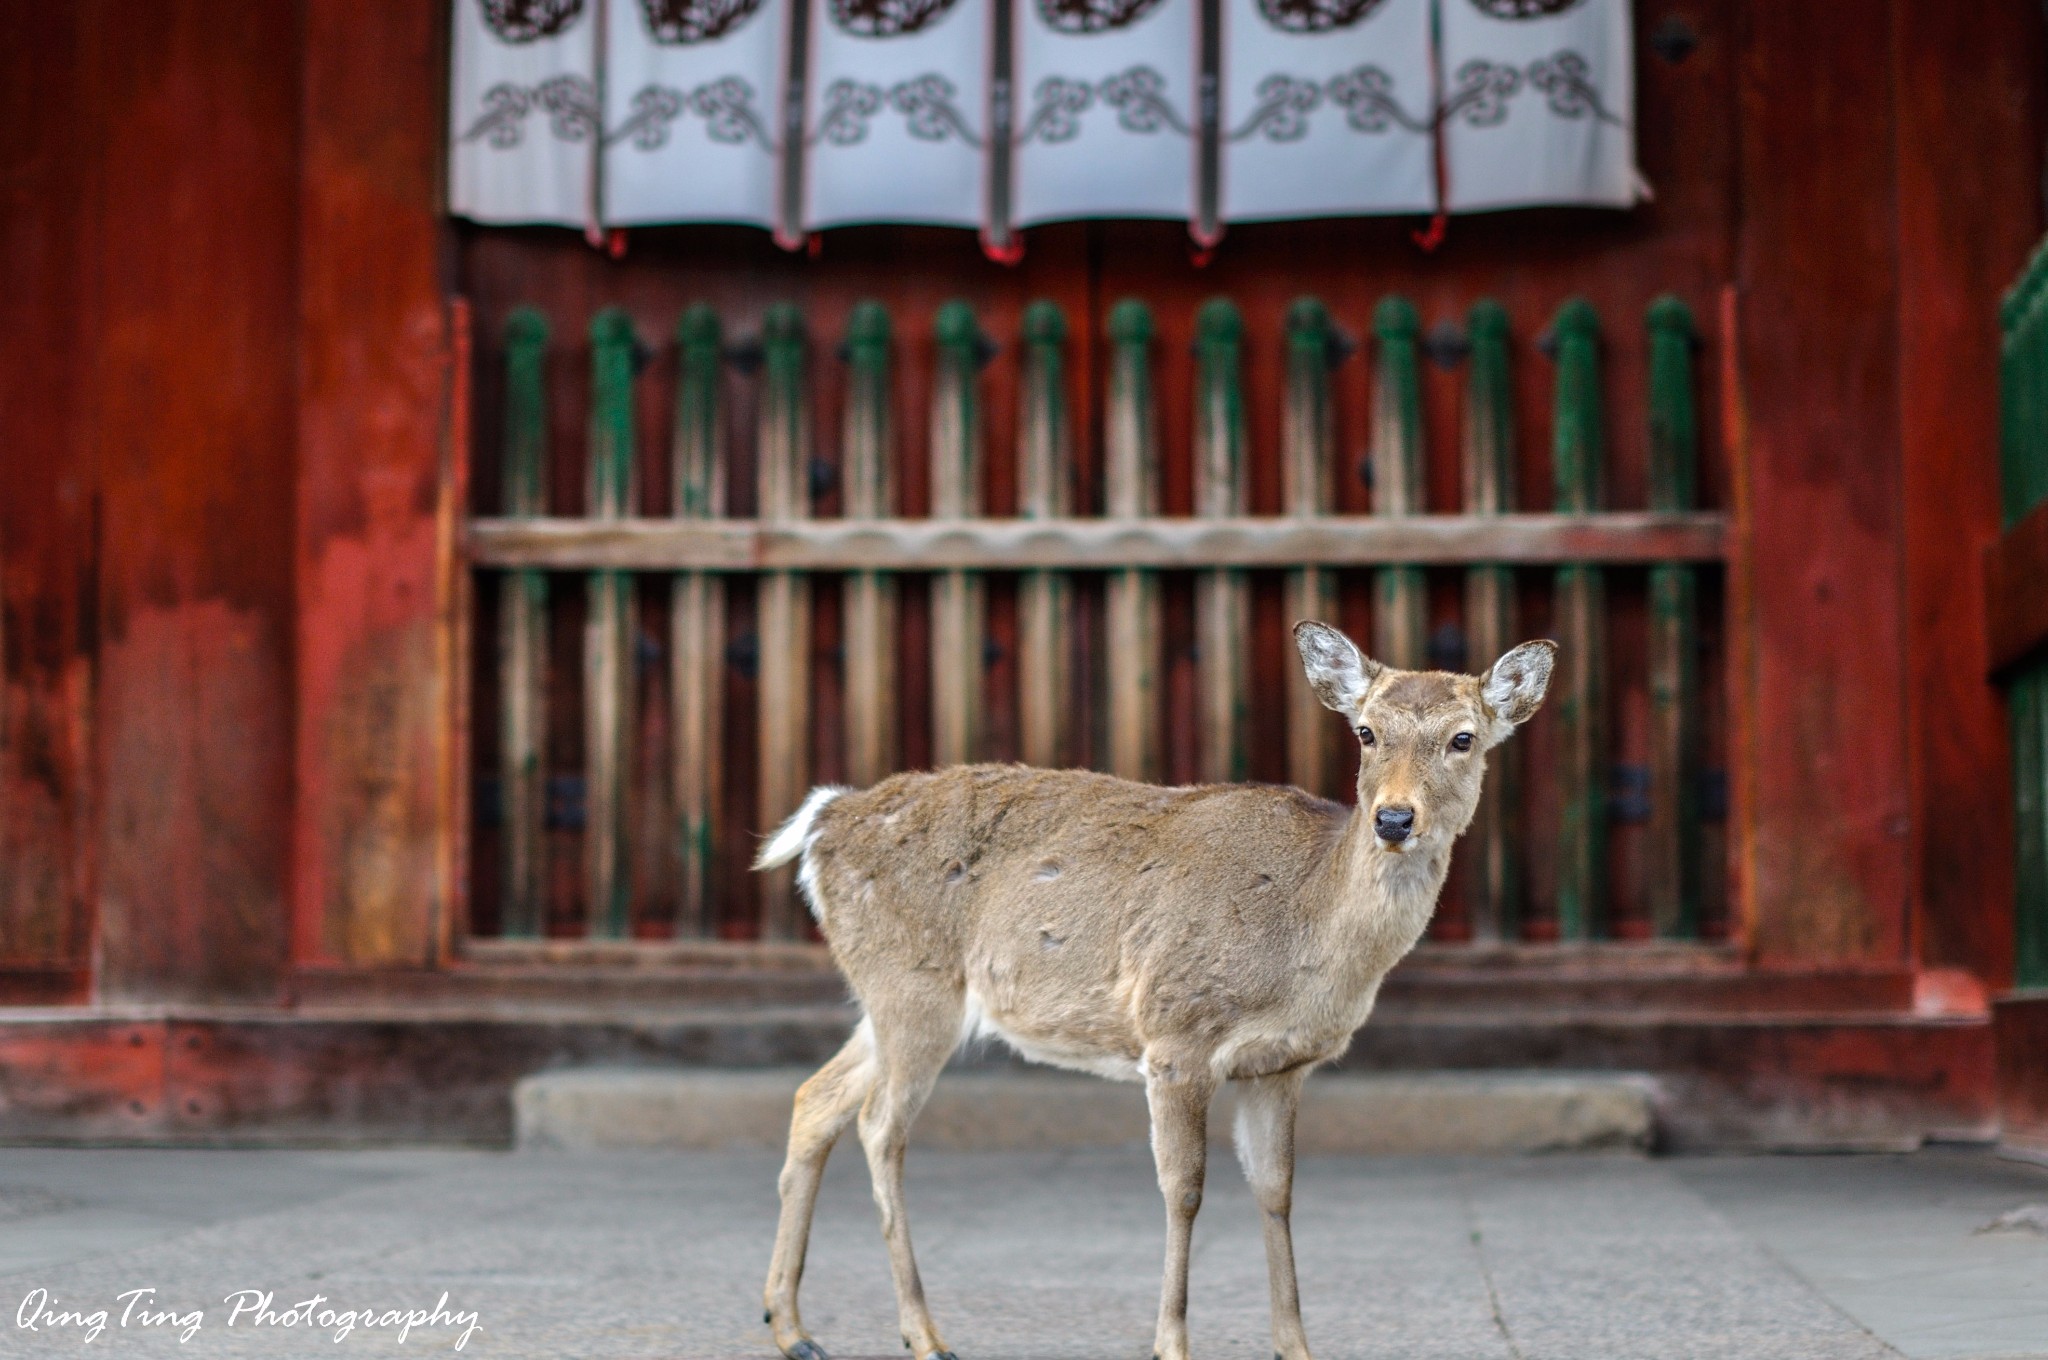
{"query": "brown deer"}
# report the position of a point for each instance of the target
(1179, 937)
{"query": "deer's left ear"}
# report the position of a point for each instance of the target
(1513, 688)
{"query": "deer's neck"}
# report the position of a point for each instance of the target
(1381, 900)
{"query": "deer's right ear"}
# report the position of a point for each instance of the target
(1338, 672)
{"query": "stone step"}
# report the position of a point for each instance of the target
(1442, 1113)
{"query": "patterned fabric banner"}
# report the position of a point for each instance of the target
(523, 117)
(898, 112)
(1538, 104)
(690, 89)
(798, 115)
(1327, 109)
(1104, 109)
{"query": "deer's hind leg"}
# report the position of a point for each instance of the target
(825, 1105)
(916, 1028)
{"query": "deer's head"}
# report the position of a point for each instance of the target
(1422, 735)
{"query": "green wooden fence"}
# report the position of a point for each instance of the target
(619, 553)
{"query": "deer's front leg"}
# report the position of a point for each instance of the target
(1179, 1098)
(1265, 1146)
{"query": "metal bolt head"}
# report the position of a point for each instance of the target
(1446, 344)
(1674, 40)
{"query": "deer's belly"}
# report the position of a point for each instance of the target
(1105, 1050)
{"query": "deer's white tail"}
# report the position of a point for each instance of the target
(794, 836)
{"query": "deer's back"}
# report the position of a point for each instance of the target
(1074, 908)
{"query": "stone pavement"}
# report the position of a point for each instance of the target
(1040, 1254)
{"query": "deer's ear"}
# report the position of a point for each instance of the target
(1338, 672)
(1513, 689)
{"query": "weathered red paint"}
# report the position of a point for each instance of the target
(374, 372)
(192, 127)
(1817, 264)
(1956, 254)
(192, 732)
(84, 1076)
(47, 506)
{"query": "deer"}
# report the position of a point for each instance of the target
(1178, 937)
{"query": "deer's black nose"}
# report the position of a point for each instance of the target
(1393, 823)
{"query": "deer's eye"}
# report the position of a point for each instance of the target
(1365, 736)
(1462, 742)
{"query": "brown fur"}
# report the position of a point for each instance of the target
(1180, 937)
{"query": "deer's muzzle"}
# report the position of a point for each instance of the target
(1394, 823)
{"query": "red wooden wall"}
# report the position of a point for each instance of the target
(370, 880)
(1962, 220)
(49, 512)
(150, 407)
(225, 384)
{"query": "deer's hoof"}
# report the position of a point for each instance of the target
(941, 1355)
(805, 1349)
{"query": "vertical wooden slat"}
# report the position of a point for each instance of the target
(2025, 486)
(1131, 491)
(1308, 439)
(608, 634)
(1489, 449)
(869, 479)
(1044, 472)
(1673, 881)
(2023, 463)
(1222, 598)
(454, 631)
(2023, 466)
(1400, 594)
(523, 631)
(697, 618)
(783, 607)
(455, 587)
(958, 597)
(1580, 613)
